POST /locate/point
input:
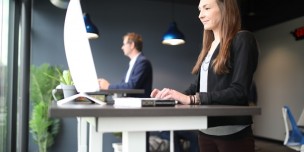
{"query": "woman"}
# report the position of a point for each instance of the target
(224, 70)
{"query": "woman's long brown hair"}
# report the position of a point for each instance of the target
(230, 25)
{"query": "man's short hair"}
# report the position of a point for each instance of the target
(136, 38)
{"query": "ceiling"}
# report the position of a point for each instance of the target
(259, 14)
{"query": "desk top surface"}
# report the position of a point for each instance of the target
(88, 109)
(117, 91)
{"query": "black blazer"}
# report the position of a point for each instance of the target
(140, 78)
(232, 88)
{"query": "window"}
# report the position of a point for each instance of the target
(3, 74)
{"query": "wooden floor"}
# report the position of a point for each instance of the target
(271, 146)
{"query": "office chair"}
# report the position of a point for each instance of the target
(294, 139)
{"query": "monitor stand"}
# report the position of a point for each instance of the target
(81, 94)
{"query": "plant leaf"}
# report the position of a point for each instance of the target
(42, 127)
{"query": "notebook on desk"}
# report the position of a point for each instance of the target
(142, 102)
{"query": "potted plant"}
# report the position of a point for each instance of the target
(64, 77)
(66, 83)
(42, 127)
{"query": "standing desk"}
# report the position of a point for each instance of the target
(134, 122)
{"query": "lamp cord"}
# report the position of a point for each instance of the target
(84, 10)
(172, 10)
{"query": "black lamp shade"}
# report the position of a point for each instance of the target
(92, 30)
(173, 36)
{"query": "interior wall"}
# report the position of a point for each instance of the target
(171, 64)
(280, 77)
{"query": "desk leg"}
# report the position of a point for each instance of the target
(171, 141)
(95, 142)
(134, 141)
(82, 135)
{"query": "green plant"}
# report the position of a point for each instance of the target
(42, 127)
(64, 77)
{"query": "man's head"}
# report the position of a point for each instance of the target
(132, 44)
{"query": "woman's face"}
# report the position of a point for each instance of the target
(210, 14)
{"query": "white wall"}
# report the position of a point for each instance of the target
(280, 77)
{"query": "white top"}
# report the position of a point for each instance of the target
(204, 71)
(131, 64)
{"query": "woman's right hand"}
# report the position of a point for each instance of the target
(154, 93)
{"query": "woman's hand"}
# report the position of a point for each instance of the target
(170, 94)
(154, 93)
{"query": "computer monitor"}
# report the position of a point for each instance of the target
(78, 54)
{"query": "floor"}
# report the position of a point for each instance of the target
(270, 146)
(262, 145)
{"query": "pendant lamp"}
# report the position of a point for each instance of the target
(92, 31)
(63, 4)
(173, 36)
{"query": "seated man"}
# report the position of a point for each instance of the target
(139, 74)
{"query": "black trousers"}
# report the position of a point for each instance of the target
(242, 141)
